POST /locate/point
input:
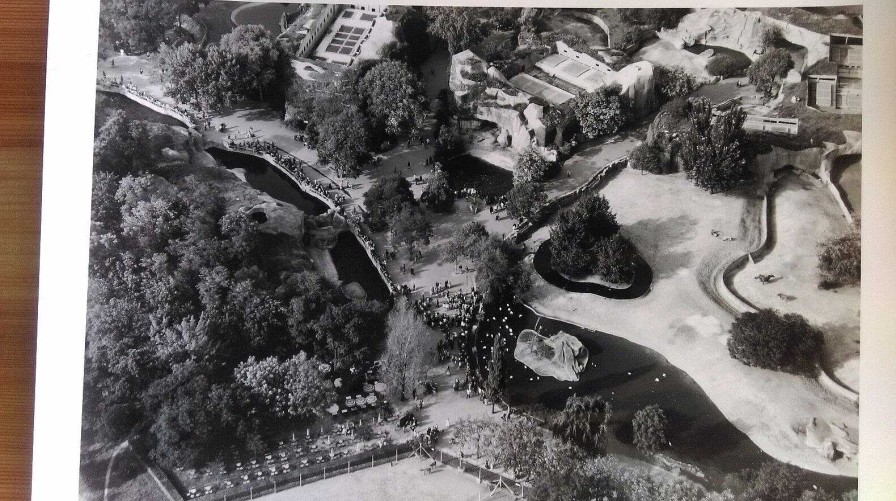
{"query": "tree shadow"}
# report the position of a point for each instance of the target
(675, 231)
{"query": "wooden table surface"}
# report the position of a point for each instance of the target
(23, 42)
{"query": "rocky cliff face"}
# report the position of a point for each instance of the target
(742, 30)
(637, 82)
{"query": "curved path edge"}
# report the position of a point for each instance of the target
(734, 303)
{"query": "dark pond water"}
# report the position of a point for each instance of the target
(631, 377)
(467, 171)
(349, 257)
(737, 55)
(353, 265)
(107, 102)
(262, 176)
(846, 173)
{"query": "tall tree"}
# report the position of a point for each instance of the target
(438, 195)
(775, 481)
(467, 243)
(410, 229)
(526, 200)
(840, 258)
(385, 199)
(532, 166)
(255, 58)
(577, 232)
(394, 98)
(343, 141)
(295, 387)
(499, 274)
(140, 26)
(714, 150)
(649, 427)
(497, 376)
(584, 421)
(519, 445)
(407, 356)
(602, 112)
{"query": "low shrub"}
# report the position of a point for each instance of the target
(727, 65)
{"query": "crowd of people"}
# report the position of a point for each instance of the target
(189, 117)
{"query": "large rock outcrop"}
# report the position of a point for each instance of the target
(324, 230)
(637, 82)
(742, 31)
(560, 356)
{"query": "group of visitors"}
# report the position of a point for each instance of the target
(189, 117)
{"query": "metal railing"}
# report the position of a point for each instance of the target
(312, 473)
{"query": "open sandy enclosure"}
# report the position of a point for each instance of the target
(670, 221)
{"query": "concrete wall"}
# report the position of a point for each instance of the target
(318, 28)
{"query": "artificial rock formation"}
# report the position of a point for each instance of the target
(742, 31)
(560, 356)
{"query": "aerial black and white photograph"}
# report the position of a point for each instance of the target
(376, 252)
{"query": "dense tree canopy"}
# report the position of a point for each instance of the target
(602, 112)
(775, 481)
(727, 64)
(246, 63)
(653, 19)
(649, 158)
(343, 138)
(770, 66)
(673, 81)
(584, 239)
(410, 229)
(770, 340)
(254, 56)
(467, 243)
(385, 199)
(584, 421)
(393, 97)
(438, 195)
(526, 200)
(141, 26)
(294, 387)
(412, 44)
(499, 274)
(458, 27)
(714, 150)
(194, 338)
(532, 166)
(122, 146)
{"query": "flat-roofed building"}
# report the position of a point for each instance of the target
(539, 88)
(576, 68)
(842, 90)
